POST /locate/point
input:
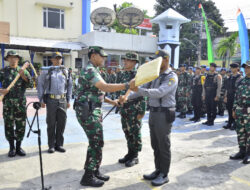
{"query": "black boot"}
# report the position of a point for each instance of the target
(12, 151)
(152, 176)
(101, 176)
(89, 179)
(228, 126)
(211, 123)
(240, 155)
(125, 158)
(205, 123)
(19, 150)
(192, 119)
(182, 115)
(246, 159)
(133, 160)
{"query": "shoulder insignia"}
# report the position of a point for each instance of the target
(171, 81)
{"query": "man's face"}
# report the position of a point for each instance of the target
(212, 68)
(129, 64)
(57, 61)
(190, 71)
(247, 70)
(98, 60)
(13, 60)
(203, 70)
(197, 71)
(234, 70)
(223, 72)
(182, 69)
(164, 63)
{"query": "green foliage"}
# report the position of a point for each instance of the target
(121, 29)
(228, 47)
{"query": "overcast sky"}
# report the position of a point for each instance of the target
(228, 8)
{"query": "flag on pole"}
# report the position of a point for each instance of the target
(244, 43)
(210, 54)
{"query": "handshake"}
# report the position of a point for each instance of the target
(123, 99)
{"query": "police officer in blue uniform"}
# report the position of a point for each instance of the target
(54, 90)
(161, 94)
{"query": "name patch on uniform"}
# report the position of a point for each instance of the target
(171, 81)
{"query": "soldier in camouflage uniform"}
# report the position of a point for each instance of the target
(229, 97)
(14, 102)
(132, 113)
(119, 73)
(221, 104)
(178, 106)
(88, 102)
(182, 91)
(112, 79)
(241, 114)
(189, 97)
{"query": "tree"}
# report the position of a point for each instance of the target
(227, 47)
(121, 29)
(191, 30)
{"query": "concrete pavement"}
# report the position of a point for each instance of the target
(199, 159)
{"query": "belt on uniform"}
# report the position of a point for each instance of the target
(159, 109)
(55, 96)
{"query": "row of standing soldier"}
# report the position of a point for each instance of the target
(231, 91)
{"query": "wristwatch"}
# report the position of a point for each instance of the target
(126, 86)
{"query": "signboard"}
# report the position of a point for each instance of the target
(146, 24)
(4, 32)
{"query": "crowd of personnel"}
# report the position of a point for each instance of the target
(197, 91)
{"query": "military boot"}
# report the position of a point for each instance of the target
(19, 150)
(101, 176)
(246, 159)
(125, 158)
(182, 115)
(12, 151)
(89, 179)
(240, 155)
(133, 160)
(228, 126)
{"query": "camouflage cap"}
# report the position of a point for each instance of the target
(223, 69)
(160, 53)
(246, 64)
(97, 49)
(204, 66)
(56, 54)
(131, 56)
(11, 53)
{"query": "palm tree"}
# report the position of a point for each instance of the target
(227, 48)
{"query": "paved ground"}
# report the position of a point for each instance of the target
(199, 158)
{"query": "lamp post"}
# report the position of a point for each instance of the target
(195, 46)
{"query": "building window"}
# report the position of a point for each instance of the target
(53, 18)
(47, 61)
(169, 27)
